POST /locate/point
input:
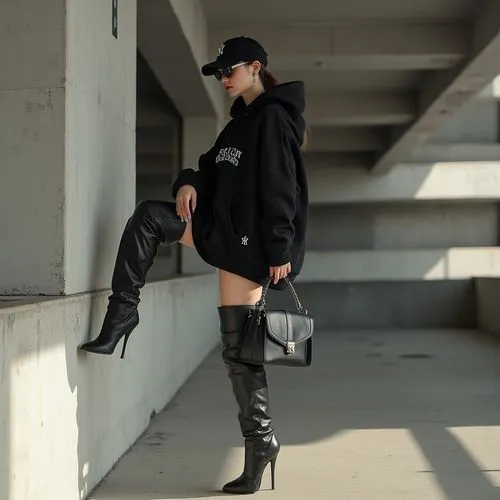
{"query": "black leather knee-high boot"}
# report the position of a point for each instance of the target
(249, 383)
(153, 222)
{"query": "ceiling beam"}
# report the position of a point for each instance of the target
(326, 161)
(447, 91)
(351, 47)
(375, 109)
(171, 36)
(328, 139)
(407, 182)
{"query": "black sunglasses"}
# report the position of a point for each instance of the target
(227, 72)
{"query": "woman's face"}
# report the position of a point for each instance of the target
(241, 79)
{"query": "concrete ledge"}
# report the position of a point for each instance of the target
(400, 265)
(487, 303)
(456, 152)
(409, 181)
(84, 410)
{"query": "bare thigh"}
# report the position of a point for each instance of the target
(236, 290)
(187, 237)
(233, 289)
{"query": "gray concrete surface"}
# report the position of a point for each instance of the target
(402, 226)
(67, 142)
(385, 304)
(487, 292)
(173, 34)
(66, 416)
(387, 415)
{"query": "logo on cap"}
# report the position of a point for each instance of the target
(221, 49)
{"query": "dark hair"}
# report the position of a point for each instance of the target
(269, 81)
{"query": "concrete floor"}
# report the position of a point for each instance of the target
(399, 415)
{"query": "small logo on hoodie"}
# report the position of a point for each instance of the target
(244, 240)
(232, 155)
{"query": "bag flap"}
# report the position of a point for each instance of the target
(285, 326)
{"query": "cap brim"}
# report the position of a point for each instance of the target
(210, 68)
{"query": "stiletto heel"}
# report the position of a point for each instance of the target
(273, 465)
(127, 335)
(119, 322)
(249, 482)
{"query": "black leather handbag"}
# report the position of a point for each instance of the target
(278, 336)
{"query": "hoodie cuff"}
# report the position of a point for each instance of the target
(278, 257)
(186, 176)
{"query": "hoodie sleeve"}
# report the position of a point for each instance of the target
(203, 179)
(278, 184)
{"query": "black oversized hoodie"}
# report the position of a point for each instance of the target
(252, 190)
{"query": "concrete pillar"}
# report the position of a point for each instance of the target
(32, 127)
(67, 145)
(199, 134)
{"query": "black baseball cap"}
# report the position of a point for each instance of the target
(234, 51)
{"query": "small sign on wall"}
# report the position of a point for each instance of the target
(114, 17)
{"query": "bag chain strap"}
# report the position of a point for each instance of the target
(262, 301)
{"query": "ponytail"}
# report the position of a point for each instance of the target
(267, 79)
(268, 82)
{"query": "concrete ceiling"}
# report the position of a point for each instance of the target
(387, 72)
(328, 11)
(171, 36)
(381, 76)
(354, 80)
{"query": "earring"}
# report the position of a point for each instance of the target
(254, 78)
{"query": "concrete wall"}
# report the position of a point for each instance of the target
(67, 121)
(402, 226)
(456, 181)
(385, 304)
(397, 265)
(32, 127)
(100, 139)
(402, 249)
(488, 297)
(66, 415)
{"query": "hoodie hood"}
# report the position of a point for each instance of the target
(290, 95)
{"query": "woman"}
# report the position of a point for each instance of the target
(245, 212)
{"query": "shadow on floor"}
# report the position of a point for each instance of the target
(377, 412)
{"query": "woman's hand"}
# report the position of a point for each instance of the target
(185, 202)
(278, 272)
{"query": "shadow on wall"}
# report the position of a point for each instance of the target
(487, 299)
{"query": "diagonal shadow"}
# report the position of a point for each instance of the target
(360, 381)
(449, 459)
